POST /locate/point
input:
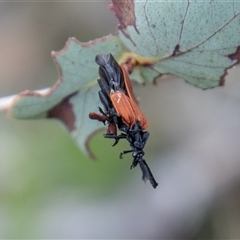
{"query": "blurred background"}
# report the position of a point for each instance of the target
(49, 189)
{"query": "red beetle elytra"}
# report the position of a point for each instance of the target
(123, 106)
(122, 112)
(142, 119)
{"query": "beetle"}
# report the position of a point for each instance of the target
(118, 86)
(121, 111)
(109, 115)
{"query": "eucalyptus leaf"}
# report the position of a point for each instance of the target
(75, 93)
(195, 40)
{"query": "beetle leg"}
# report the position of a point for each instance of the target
(122, 135)
(116, 137)
(125, 152)
(102, 112)
(134, 163)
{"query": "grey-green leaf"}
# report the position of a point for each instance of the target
(195, 40)
(75, 93)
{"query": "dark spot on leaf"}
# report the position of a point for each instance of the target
(236, 55)
(176, 50)
(64, 112)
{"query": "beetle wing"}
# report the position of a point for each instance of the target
(105, 100)
(110, 71)
(139, 115)
(123, 107)
(104, 85)
(128, 84)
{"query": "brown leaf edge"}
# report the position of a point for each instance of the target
(67, 117)
(60, 78)
(234, 56)
(87, 145)
(63, 112)
(124, 11)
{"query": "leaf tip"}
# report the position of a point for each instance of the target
(124, 11)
